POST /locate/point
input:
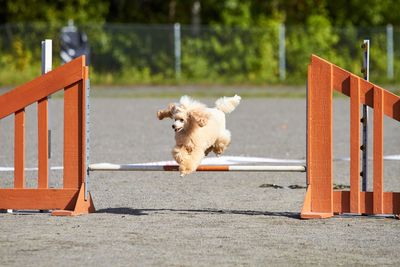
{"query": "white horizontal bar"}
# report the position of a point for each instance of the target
(234, 168)
(266, 168)
(124, 167)
(11, 169)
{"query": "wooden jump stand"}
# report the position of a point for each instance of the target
(69, 200)
(321, 201)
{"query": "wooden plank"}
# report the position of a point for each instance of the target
(391, 105)
(341, 80)
(72, 136)
(367, 93)
(19, 149)
(43, 144)
(391, 202)
(41, 87)
(320, 136)
(306, 212)
(378, 151)
(341, 83)
(38, 199)
(355, 144)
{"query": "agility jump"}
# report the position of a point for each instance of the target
(321, 201)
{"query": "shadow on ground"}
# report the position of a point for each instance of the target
(140, 212)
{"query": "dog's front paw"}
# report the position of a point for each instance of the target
(185, 170)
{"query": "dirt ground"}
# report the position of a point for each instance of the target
(204, 219)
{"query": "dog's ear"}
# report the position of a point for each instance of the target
(166, 113)
(200, 116)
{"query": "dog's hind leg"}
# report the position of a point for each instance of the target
(222, 142)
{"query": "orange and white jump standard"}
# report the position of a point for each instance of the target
(72, 199)
(321, 200)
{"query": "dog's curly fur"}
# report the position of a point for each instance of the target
(198, 130)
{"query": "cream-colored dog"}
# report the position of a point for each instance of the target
(198, 130)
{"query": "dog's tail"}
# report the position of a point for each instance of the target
(227, 104)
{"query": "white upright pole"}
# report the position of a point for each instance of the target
(177, 44)
(47, 57)
(390, 53)
(282, 52)
(47, 64)
(364, 120)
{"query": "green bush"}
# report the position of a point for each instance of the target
(144, 54)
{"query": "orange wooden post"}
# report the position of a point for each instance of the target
(19, 149)
(378, 151)
(43, 144)
(355, 104)
(72, 124)
(320, 194)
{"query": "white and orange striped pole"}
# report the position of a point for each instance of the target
(201, 168)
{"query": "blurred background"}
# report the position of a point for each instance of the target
(200, 42)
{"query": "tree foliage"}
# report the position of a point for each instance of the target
(222, 40)
(226, 12)
(53, 11)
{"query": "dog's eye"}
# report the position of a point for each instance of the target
(181, 120)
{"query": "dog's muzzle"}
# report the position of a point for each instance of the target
(176, 129)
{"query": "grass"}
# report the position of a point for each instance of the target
(198, 91)
(167, 89)
(201, 91)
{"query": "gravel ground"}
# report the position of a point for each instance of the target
(204, 219)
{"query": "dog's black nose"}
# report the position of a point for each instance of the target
(173, 126)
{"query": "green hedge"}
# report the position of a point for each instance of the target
(144, 54)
